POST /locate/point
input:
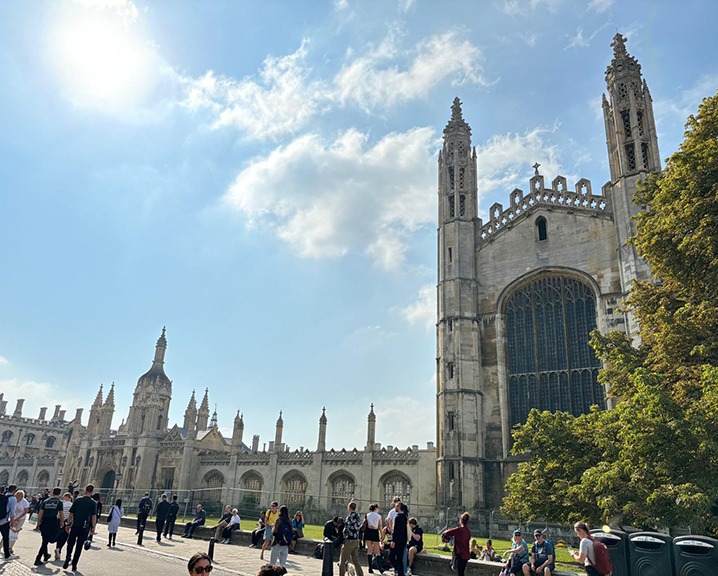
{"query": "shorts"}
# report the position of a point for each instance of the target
(372, 535)
(268, 533)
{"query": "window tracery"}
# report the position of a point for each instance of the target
(396, 485)
(550, 363)
(342, 487)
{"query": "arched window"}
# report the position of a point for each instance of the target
(295, 487)
(211, 495)
(6, 436)
(541, 228)
(395, 484)
(22, 478)
(43, 479)
(29, 439)
(342, 490)
(550, 364)
(50, 442)
(251, 485)
(4, 478)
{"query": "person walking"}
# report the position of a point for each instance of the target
(143, 511)
(114, 516)
(83, 519)
(272, 515)
(62, 539)
(7, 522)
(161, 513)
(282, 537)
(50, 521)
(21, 508)
(350, 548)
(373, 537)
(171, 518)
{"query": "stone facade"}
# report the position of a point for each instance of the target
(519, 294)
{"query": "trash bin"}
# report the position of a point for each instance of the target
(616, 542)
(650, 554)
(695, 555)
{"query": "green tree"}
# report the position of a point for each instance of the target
(653, 459)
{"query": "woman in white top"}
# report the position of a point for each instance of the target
(233, 525)
(585, 554)
(372, 535)
(21, 509)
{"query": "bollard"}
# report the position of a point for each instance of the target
(140, 534)
(210, 552)
(328, 558)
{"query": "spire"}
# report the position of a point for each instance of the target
(238, 431)
(213, 421)
(458, 197)
(110, 400)
(98, 399)
(278, 433)
(322, 443)
(203, 412)
(190, 414)
(371, 430)
(457, 121)
(160, 348)
(155, 377)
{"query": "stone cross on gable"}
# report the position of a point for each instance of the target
(536, 167)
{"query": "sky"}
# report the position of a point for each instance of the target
(261, 179)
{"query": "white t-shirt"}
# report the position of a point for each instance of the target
(20, 507)
(586, 547)
(390, 518)
(373, 519)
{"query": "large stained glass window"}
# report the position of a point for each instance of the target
(550, 364)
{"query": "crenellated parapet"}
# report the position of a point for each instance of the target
(557, 196)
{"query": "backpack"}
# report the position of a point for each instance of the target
(284, 537)
(319, 551)
(3, 506)
(603, 564)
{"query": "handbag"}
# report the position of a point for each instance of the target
(454, 564)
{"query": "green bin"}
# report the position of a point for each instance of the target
(695, 555)
(616, 543)
(650, 554)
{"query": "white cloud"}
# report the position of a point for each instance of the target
(686, 101)
(422, 311)
(577, 40)
(504, 161)
(529, 38)
(406, 421)
(4, 361)
(282, 101)
(600, 6)
(341, 4)
(375, 79)
(37, 395)
(327, 200)
(126, 9)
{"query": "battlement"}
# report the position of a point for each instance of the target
(582, 198)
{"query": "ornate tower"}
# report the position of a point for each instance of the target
(371, 430)
(190, 415)
(107, 412)
(238, 431)
(632, 153)
(93, 424)
(322, 442)
(278, 433)
(459, 400)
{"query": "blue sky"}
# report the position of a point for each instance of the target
(260, 177)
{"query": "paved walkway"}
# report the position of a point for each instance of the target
(166, 557)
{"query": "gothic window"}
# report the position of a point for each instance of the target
(6, 436)
(462, 148)
(622, 91)
(450, 370)
(395, 484)
(631, 156)
(644, 154)
(462, 205)
(212, 488)
(295, 487)
(626, 117)
(451, 416)
(452, 210)
(22, 478)
(452, 471)
(50, 442)
(451, 151)
(550, 363)
(4, 478)
(251, 484)
(342, 487)
(29, 439)
(43, 479)
(451, 178)
(541, 228)
(639, 118)
(461, 178)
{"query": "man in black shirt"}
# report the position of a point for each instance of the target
(83, 517)
(161, 513)
(331, 532)
(143, 511)
(50, 519)
(171, 517)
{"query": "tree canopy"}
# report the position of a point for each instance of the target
(652, 460)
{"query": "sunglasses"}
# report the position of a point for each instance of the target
(200, 569)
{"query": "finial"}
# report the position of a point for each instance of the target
(619, 45)
(324, 410)
(456, 114)
(536, 167)
(371, 408)
(164, 329)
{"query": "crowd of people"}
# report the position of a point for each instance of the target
(69, 522)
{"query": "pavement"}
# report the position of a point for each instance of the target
(168, 557)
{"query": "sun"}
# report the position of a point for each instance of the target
(100, 60)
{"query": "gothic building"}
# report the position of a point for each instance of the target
(519, 294)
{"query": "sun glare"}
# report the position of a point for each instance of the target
(101, 62)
